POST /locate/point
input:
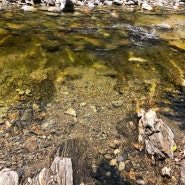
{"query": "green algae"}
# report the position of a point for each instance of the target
(37, 48)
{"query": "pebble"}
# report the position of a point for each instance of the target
(113, 162)
(108, 156)
(117, 104)
(71, 112)
(114, 144)
(27, 115)
(117, 151)
(128, 166)
(94, 168)
(140, 182)
(121, 166)
(108, 174)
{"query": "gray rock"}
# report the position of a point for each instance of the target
(166, 172)
(8, 177)
(27, 116)
(156, 136)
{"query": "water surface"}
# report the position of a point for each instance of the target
(146, 49)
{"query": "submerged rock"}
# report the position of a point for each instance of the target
(156, 136)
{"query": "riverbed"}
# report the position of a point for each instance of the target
(93, 65)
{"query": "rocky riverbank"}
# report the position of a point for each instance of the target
(70, 5)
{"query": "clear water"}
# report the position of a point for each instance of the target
(147, 49)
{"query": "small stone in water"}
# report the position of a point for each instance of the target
(71, 112)
(121, 166)
(117, 104)
(114, 144)
(113, 162)
(116, 152)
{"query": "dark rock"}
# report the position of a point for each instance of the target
(69, 6)
(36, 1)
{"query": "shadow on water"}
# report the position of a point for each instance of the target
(176, 105)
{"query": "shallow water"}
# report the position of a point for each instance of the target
(146, 49)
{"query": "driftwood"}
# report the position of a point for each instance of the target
(70, 166)
(182, 172)
(155, 135)
(60, 173)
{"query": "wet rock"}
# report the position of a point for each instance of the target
(8, 177)
(156, 136)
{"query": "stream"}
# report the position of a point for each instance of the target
(145, 48)
(79, 79)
